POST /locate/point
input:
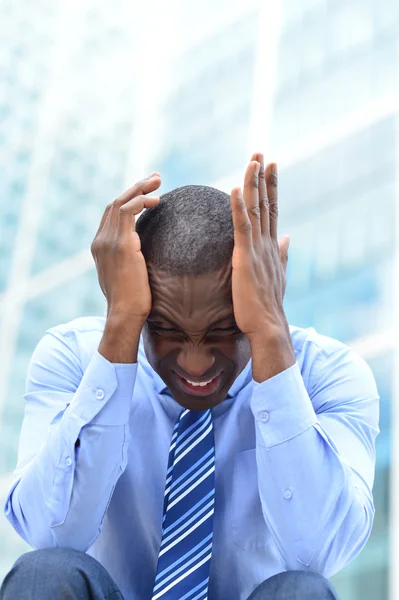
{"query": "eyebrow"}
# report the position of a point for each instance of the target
(156, 313)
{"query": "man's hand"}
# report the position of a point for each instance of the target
(259, 265)
(122, 271)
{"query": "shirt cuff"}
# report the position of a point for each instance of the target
(105, 393)
(282, 407)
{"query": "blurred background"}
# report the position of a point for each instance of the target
(96, 94)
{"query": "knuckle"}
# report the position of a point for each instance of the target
(273, 210)
(106, 245)
(99, 245)
(107, 209)
(272, 179)
(245, 227)
(264, 203)
(254, 211)
(119, 247)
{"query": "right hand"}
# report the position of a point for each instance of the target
(116, 249)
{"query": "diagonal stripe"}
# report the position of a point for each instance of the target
(179, 579)
(197, 464)
(200, 426)
(190, 479)
(171, 487)
(187, 525)
(182, 567)
(188, 513)
(201, 594)
(197, 441)
(193, 426)
(197, 587)
(199, 513)
(173, 440)
(191, 488)
(189, 553)
(186, 533)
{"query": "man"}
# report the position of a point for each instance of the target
(223, 455)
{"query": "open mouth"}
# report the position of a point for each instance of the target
(199, 389)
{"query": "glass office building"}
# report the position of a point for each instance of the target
(89, 103)
(335, 127)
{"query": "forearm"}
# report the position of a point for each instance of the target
(271, 350)
(62, 489)
(61, 498)
(319, 518)
(317, 505)
(121, 337)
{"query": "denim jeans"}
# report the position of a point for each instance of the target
(64, 574)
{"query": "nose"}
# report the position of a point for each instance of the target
(194, 361)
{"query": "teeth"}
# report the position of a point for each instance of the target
(199, 384)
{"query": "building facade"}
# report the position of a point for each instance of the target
(312, 83)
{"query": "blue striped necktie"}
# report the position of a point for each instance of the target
(186, 547)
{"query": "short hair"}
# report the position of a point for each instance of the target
(189, 232)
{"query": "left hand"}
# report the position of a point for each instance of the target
(259, 260)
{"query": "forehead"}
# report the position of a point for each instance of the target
(195, 300)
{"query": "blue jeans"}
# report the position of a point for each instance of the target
(63, 574)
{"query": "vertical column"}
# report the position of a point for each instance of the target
(13, 299)
(394, 491)
(265, 73)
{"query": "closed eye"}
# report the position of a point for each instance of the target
(159, 328)
(232, 329)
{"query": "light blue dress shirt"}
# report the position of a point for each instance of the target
(295, 460)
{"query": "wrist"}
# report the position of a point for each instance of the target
(271, 352)
(121, 338)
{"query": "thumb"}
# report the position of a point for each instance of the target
(283, 244)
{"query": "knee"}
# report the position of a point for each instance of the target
(303, 584)
(51, 573)
(62, 561)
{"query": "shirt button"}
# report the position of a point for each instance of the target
(287, 494)
(264, 416)
(68, 461)
(100, 394)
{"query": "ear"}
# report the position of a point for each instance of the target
(283, 245)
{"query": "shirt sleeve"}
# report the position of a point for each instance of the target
(315, 452)
(73, 444)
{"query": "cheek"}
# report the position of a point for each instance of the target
(242, 351)
(157, 348)
(235, 349)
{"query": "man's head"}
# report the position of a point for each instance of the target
(187, 241)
